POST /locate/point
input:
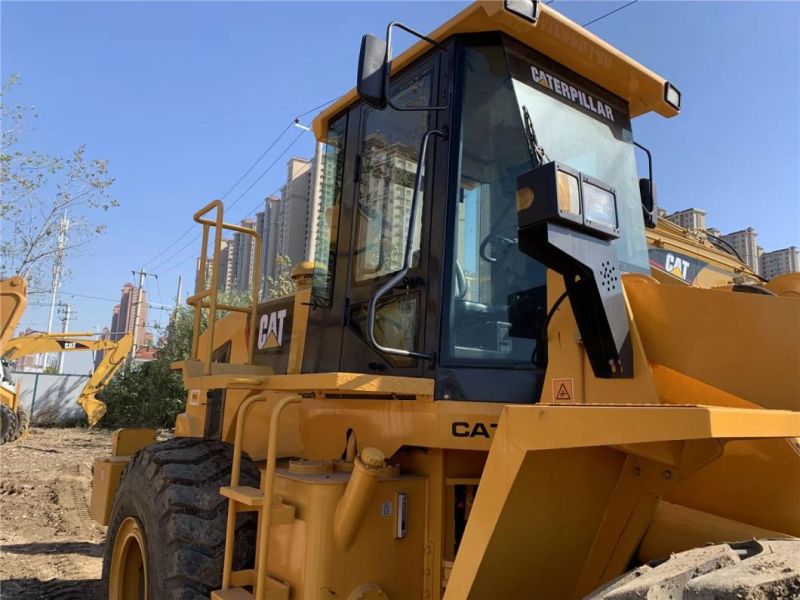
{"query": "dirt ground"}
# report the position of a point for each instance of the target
(49, 546)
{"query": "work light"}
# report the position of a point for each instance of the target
(569, 195)
(599, 206)
(527, 9)
(556, 193)
(672, 95)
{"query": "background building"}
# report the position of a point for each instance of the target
(744, 242)
(125, 313)
(690, 218)
(243, 254)
(291, 221)
(123, 316)
(779, 262)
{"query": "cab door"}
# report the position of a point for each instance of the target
(387, 154)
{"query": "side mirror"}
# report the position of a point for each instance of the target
(372, 65)
(647, 190)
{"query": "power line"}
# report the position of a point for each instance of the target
(183, 261)
(608, 14)
(234, 203)
(248, 171)
(115, 301)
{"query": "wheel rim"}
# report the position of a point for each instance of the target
(128, 578)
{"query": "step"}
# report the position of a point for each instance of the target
(243, 577)
(275, 591)
(250, 498)
(243, 494)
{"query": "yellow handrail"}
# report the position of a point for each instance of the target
(267, 486)
(266, 508)
(210, 293)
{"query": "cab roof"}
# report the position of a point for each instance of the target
(553, 35)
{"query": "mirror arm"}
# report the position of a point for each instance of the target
(401, 274)
(388, 66)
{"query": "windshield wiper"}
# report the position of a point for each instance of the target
(538, 154)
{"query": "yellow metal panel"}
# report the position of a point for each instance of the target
(744, 344)
(560, 510)
(756, 482)
(677, 528)
(127, 442)
(567, 360)
(554, 35)
(305, 554)
(106, 473)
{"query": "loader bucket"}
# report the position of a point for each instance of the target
(569, 491)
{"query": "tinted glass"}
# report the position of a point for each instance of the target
(330, 202)
(498, 292)
(389, 149)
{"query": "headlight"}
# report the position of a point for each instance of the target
(569, 199)
(599, 206)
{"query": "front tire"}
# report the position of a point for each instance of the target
(166, 537)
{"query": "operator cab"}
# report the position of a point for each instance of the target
(421, 269)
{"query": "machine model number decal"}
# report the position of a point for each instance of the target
(463, 429)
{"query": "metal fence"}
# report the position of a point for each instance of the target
(50, 399)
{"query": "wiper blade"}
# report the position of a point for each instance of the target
(538, 154)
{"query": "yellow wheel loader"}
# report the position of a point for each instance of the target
(15, 419)
(480, 388)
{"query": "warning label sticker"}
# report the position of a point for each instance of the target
(563, 390)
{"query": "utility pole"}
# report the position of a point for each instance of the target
(178, 299)
(58, 269)
(137, 307)
(66, 313)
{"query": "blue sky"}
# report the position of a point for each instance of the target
(182, 97)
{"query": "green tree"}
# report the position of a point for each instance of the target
(281, 284)
(150, 394)
(37, 190)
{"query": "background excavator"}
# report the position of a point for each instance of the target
(14, 419)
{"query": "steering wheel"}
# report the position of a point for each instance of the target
(502, 243)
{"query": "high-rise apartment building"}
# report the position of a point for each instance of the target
(131, 308)
(243, 254)
(744, 242)
(690, 218)
(291, 221)
(225, 277)
(779, 262)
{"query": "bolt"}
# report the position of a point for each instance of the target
(636, 471)
(667, 474)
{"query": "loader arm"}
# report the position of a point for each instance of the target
(38, 343)
(102, 374)
(115, 354)
(13, 299)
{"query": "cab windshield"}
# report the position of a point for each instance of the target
(519, 109)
